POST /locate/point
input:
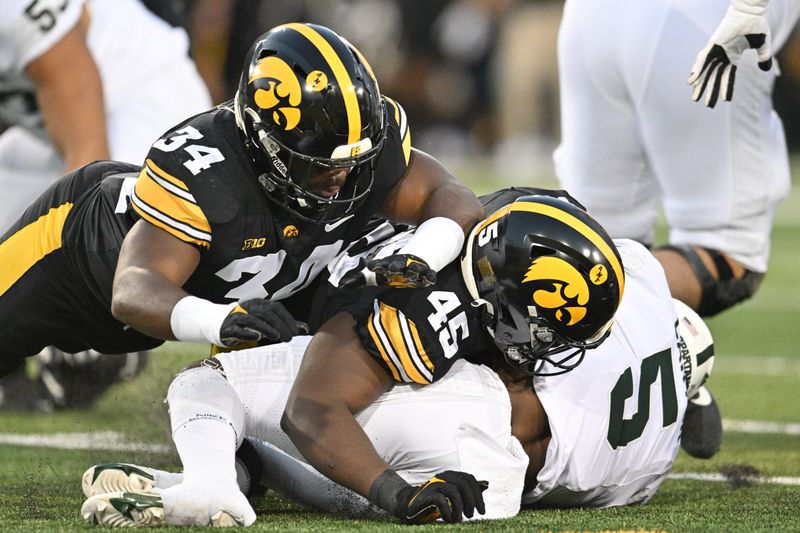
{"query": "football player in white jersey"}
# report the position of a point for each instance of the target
(465, 421)
(84, 80)
(632, 139)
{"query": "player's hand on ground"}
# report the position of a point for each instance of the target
(744, 26)
(261, 322)
(450, 495)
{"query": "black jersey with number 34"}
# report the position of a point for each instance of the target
(199, 185)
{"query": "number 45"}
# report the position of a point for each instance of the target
(202, 156)
(457, 328)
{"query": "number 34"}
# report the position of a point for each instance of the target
(202, 156)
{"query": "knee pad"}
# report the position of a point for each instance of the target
(718, 294)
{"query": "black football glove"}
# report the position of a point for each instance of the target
(261, 322)
(449, 495)
(744, 26)
(402, 271)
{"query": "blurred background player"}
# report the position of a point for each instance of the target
(82, 81)
(632, 139)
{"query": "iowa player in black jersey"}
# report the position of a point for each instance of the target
(235, 209)
(244, 205)
(538, 284)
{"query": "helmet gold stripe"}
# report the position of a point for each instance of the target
(342, 78)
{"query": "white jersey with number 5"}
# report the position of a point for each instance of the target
(616, 419)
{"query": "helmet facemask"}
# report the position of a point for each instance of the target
(288, 181)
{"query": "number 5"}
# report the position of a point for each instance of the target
(621, 430)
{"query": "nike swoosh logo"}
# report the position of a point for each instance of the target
(331, 227)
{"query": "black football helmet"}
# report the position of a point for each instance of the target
(309, 101)
(549, 279)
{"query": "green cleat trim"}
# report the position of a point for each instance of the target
(128, 469)
(131, 501)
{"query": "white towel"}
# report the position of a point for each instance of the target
(502, 464)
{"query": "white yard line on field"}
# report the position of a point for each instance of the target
(759, 365)
(760, 426)
(100, 440)
(698, 476)
(112, 441)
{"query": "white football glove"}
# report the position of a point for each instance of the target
(744, 26)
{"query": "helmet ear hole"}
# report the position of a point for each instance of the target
(539, 251)
(265, 53)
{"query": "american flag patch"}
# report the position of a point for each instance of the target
(690, 326)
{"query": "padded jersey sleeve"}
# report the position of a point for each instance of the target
(391, 164)
(398, 114)
(28, 29)
(165, 201)
(417, 334)
(395, 342)
(189, 180)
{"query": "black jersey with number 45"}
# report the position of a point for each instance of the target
(200, 185)
(417, 334)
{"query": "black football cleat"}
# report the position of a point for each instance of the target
(701, 435)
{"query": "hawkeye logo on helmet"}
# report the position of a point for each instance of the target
(277, 89)
(558, 285)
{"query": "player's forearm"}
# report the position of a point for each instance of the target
(428, 190)
(333, 442)
(145, 300)
(337, 379)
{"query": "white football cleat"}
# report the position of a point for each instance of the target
(142, 509)
(124, 509)
(117, 477)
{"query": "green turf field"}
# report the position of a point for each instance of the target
(756, 380)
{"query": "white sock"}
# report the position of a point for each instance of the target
(207, 426)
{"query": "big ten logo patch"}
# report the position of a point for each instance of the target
(251, 244)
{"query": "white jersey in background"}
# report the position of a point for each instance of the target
(616, 419)
(149, 84)
(632, 136)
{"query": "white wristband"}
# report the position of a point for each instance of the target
(196, 320)
(437, 241)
